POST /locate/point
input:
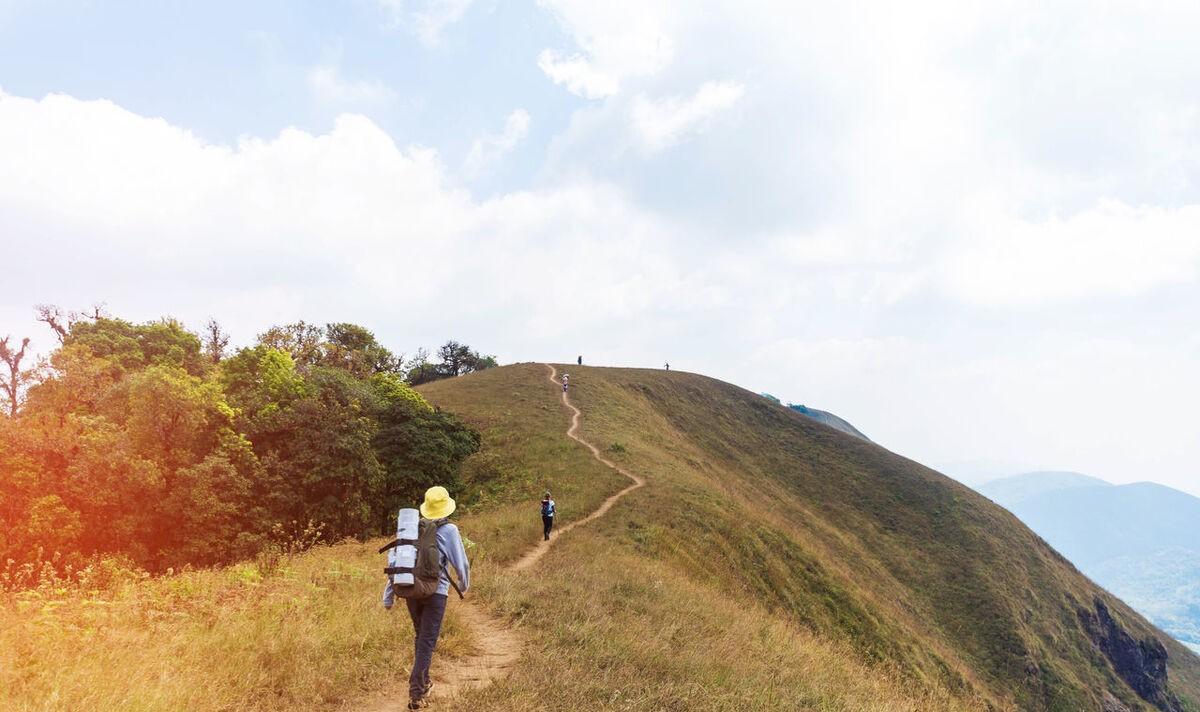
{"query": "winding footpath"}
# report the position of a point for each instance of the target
(498, 644)
(531, 557)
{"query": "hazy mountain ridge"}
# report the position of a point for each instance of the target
(1141, 541)
(1010, 490)
(821, 416)
(833, 421)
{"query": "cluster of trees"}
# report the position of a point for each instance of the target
(151, 442)
(454, 359)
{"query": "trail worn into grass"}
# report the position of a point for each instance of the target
(498, 645)
(532, 556)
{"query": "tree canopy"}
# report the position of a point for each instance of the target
(147, 442)
(454, 359)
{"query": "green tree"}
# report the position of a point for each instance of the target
(455, 359)
(260, 378)
(319, 455)
(131, 346)
(142, 442)
(418, 447)
(354, 348)
(300, 339)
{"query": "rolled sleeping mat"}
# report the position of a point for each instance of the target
(405, 555)
(407, 523)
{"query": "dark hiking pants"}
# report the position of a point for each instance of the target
(547, 525)
(426, 616)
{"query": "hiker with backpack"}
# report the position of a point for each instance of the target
(566, 379)
(417, 572)
(547, 516)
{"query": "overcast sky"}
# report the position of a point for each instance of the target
(973, 230)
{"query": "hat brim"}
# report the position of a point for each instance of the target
(438, 512)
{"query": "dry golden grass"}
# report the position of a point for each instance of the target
(304, 636)
(613, 631)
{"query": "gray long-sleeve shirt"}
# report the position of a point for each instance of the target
(453, 554)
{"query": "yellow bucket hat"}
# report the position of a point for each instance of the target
(437, 504)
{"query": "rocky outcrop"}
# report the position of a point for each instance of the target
(1142, 664)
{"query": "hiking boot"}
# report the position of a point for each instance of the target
(417, 704)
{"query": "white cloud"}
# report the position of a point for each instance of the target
(150, 218)
(618, 40)
(661, 123)
(1111, 250)
(435, 16)
(330, 87)
(577, 74)
(488, 150)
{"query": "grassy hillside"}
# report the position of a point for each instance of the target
(611, 624)
(795, 522)
(770, 562)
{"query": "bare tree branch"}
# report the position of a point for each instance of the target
(215, 341)
(56, 319)
(12, 384)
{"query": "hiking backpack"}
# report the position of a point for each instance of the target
(417, 576)
(547, 508)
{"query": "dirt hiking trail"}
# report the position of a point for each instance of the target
(498, 646)
(532, 556)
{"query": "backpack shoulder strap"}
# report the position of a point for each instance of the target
(397, 542)
(451, 580)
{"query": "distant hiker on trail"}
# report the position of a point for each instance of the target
(547, 516)
(667, 366)
(579, 361)
(566, 379)
(425, 582)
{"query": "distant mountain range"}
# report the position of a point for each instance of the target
(1140, 541)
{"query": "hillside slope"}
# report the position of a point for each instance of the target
(752, 508)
